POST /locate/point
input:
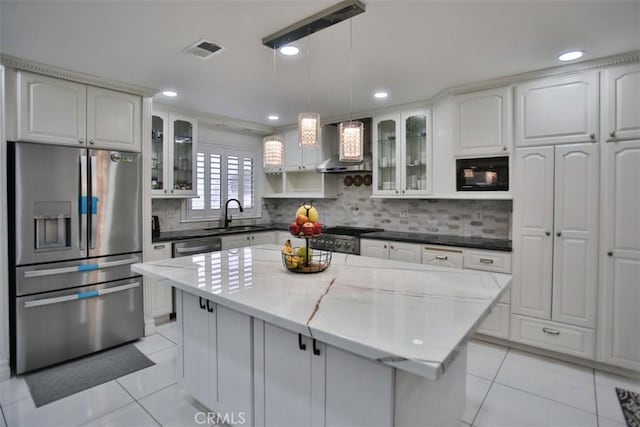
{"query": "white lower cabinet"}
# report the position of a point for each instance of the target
(217, 363)
(160, 293)
(308, 383)
(397, 251)
(619, 291)
(247, 239)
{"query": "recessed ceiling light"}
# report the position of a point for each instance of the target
(289, 50)
(571, 55)
(170, 93)
(273, 117)
(380, 95)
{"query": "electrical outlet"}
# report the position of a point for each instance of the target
(478, 216)
(404, 214)
(171, 213)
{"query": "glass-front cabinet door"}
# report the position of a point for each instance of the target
(416, 153)
(386, 151)
(183, 142)
(159, 127)
(173, 150)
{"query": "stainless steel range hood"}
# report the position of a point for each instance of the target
(334, 165)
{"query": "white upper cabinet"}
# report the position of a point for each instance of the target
(301, 158)
(51, 110)
(55, 111)
(557, 110)
(621, 93)
(620, 256)
(482, 123)
(402, 154)
(114, 119)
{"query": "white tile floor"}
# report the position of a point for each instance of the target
(504, 388)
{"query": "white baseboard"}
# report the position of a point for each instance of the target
(5, 370)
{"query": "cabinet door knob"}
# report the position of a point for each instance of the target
(547, 233)
(396, 191)
(202, 304)
(612, 134)
(316, 350)
(610, 253)
(81, 141)
(171, 191)
(165, 191)
(209, 306)
(302, 346)
(504, 148)
(592, 136)
(391, 246)
(402, 191)
(559, 234)
(91, 141)
(385, 246)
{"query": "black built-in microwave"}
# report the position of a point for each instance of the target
(483, 174)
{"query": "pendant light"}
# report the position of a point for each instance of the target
(308, 123)
(351, 134)
(273, 145)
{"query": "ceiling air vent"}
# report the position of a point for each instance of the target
(203, 49)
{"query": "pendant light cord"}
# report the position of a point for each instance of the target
(275, 83)
(350, 71)
(309, 72)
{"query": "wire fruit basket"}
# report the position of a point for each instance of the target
(310, 260)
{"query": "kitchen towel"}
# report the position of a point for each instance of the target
(630, 404)
(50, 384)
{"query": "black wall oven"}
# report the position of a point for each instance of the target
(483, 174)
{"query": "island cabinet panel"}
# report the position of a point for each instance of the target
(374, 248)
(397, 251)
(217, 357)
(199, 365)
(349, 375)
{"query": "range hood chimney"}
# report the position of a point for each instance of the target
(333, 163)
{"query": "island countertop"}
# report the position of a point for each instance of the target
(411, 316)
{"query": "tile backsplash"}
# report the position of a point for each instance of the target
(354, 207)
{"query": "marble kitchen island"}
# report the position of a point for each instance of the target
(368, 342)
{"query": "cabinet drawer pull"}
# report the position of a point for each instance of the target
(158, 247)
(210, 306)
(202, 304)
(486, 261)
(442, 257)
(302, 346)
(550, 331)
(316, 350)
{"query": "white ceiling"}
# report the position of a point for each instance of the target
(412, 49)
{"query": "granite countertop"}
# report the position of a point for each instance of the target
(410, 316)
(503, 245)
(171, 236)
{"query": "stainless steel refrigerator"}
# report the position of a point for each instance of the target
(75, 214)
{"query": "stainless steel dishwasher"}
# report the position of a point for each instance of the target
(196, 246)
(192, 247)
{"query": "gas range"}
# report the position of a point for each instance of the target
(341, 239)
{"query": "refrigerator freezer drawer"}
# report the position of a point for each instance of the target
(56, 326)
(71, 274)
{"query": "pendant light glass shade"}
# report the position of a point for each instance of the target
(273, 150)
(308, 129)
(351, 136)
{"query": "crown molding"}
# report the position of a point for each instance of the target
(608, 61)
(62, 73)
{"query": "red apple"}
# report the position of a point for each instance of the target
(301, 219)
(317, 228)
(295, 228)
(308, 229)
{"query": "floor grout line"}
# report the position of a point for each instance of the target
(490, 385)
(139, 404)
(4, 418)
(595, 396)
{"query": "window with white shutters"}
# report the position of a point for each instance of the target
(222, 174)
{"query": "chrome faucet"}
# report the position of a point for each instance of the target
(227, 219)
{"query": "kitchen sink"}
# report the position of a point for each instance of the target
(236, 229)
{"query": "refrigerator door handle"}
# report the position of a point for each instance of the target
(80, 295)
(93, 202)
(82, 243)
(82, 268)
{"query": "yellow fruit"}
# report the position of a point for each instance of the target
(313, 213)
